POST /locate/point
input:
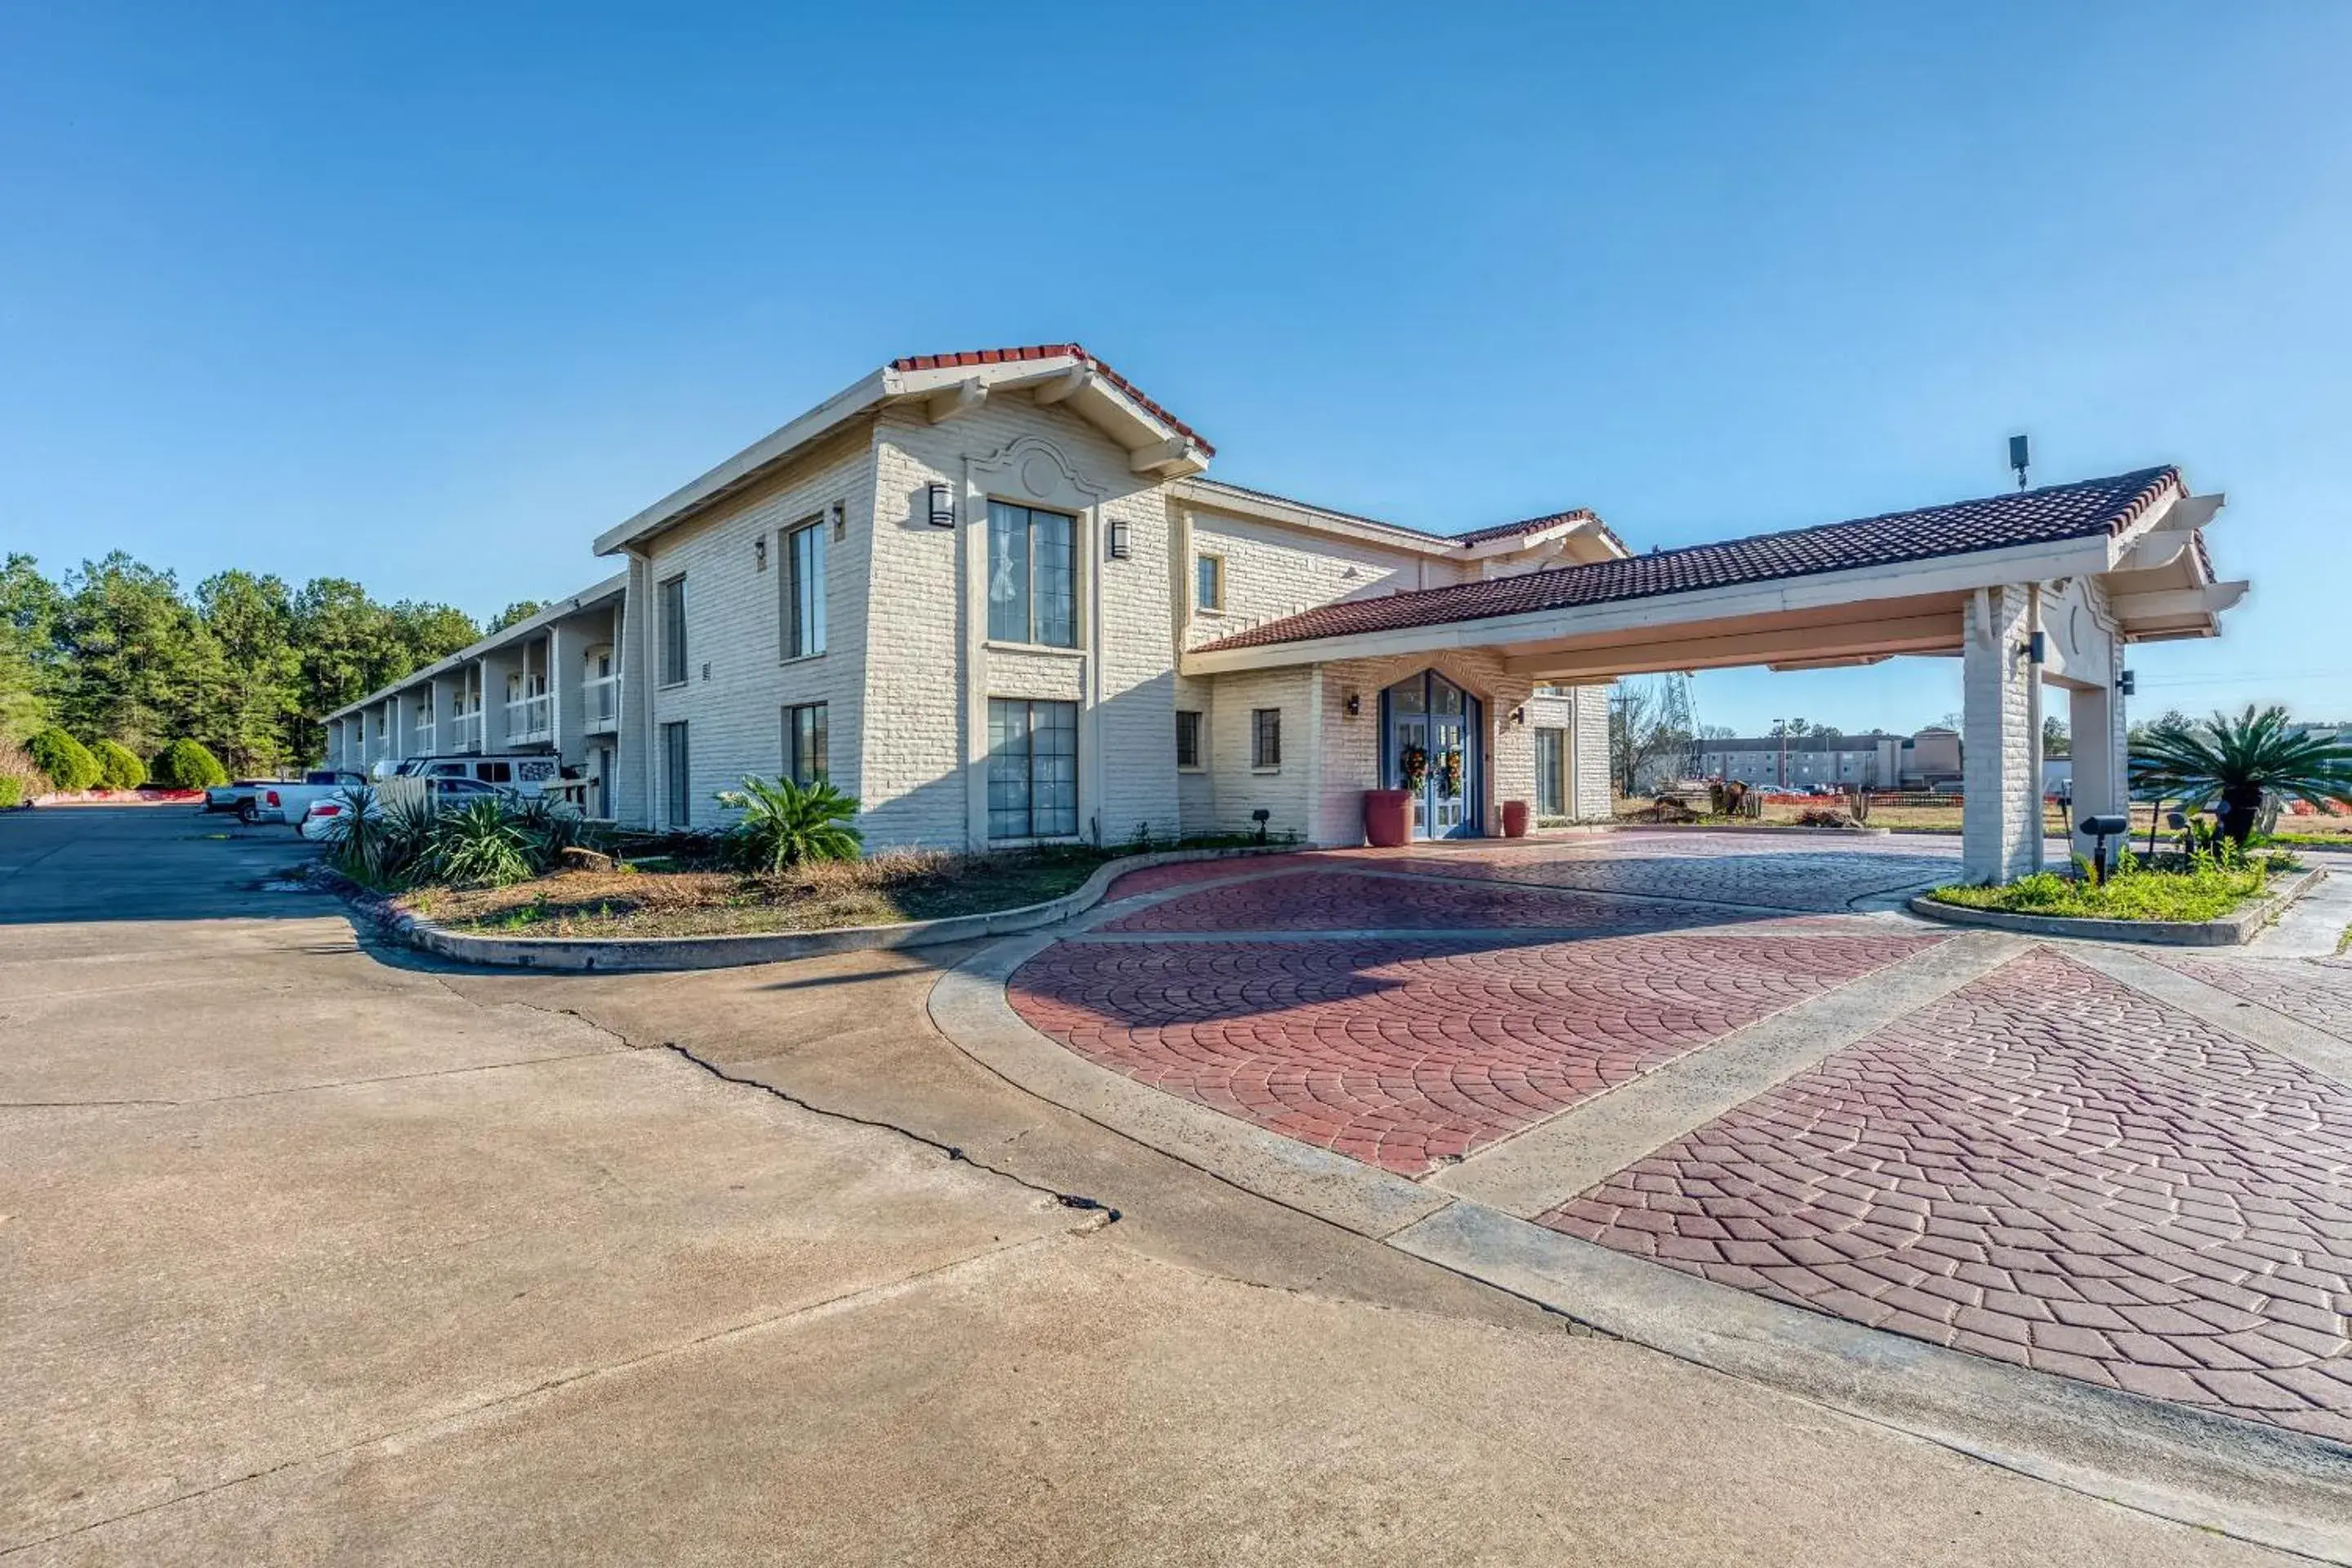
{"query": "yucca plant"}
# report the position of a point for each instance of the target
(358, 841)
(784, 824)
(2230, 764)
(553, 826)
(479, 844)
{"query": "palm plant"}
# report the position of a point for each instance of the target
(2230, 764)
(785, 823)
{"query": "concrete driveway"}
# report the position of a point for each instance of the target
(318, 1253)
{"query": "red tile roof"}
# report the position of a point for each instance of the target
(1531, 525)
(1054, 351)
(2042, 516)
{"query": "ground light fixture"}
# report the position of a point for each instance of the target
(2101, 829)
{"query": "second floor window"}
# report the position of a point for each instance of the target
(1209, 582)
(1032, 576)
(803, 590)
(673, 631)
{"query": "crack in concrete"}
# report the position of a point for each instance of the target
(954, 1153)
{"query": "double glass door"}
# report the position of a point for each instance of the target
(1432, 753)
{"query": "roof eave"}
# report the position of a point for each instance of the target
(1958, 573)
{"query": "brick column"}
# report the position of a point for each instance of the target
(2001, 821)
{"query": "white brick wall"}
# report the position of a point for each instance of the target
(738, 683)
(1271, 571)
(915, 785)
(2002, 826)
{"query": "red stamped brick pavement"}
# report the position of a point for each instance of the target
(1358, 899)
(1404, 1053)
(1733, 868)
(2046, 1168)
(2317, 992)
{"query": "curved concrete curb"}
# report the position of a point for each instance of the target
(606, 955)
(2231, 931)
(2257, 1483)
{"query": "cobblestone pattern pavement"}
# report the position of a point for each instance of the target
(1654, 865)
(1350, 899)
(2046, 1168)
(1407, 1054)
(2317, 992)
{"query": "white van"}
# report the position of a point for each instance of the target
(525, 774)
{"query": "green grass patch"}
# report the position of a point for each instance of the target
(2202, 892)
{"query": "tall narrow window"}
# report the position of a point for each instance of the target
(1188, 739)
(1265, 737)
(802, 585)
(1209, 582)
(677, 790)
(1032, 769)
(1032, 576)
(673, 631)
(806, 743)
(1551, 772)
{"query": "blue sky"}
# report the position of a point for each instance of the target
(430, 295)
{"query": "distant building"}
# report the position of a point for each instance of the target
(1877, 760)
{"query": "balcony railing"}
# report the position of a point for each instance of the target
(423, 743)
(468, 736)
(600, 700)
(530, 718)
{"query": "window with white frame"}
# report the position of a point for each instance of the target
(1188, 738)
(807, 744)
(1265, 737)
(1032, 575)
(672, 616)
(1209, 582)
(802, 587)
(1032, 769)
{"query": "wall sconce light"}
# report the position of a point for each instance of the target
(2128, 685)
(2037, 647)
(1354, 704)
(1519, 715)
(760, 553)
(840, 518)
(1118, 540)
(942, 507)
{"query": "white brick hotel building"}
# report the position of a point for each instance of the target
(994, 597)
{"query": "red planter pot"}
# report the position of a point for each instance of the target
(1515, 819)
(1388, 818)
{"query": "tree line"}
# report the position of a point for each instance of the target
(245, 665)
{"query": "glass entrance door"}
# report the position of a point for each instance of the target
(1432, 752)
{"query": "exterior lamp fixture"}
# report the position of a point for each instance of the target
(2128, 685)
(1519, 715)
(2037, 648)
(1354, 705)
(840, 518)
(1118, 540)
(760, 553)
(942, 507)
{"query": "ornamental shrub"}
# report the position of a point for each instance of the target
(118, 765)
(11, 791)
(184, 764)
(67, 762)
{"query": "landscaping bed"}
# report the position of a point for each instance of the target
(680, 898)
(2190, 902)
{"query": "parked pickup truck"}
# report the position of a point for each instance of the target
(286, 801)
